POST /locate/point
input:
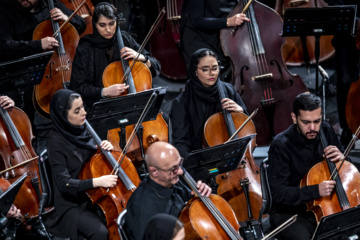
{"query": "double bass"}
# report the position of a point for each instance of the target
(299, 50)
(58, 71)
(165, 42)
(259, 73)
(241, 188)
(138, 79)
(346, 192)
(18, 157)
(112, 201)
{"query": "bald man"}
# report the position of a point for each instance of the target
(161, 191)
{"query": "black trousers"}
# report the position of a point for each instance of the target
(91, 226)
(302, 229)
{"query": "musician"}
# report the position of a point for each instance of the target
(201, 22)
(98, 50)
(164, 227)
(161, 191)
(69, 148)
(347, 68)
(191, 109)
(292, 153)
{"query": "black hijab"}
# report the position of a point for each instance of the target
(77, 135)
(202, 101)
(104, 48)
(160, 227)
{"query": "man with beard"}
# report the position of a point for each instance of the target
(161, 191)
(291, 155)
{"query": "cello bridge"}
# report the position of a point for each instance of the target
(262, 77)
(294, 3)
(62, 68)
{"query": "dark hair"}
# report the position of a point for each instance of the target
(204, 54)
(72, 97)
(104, 9)
(177, 228)
(306, 102)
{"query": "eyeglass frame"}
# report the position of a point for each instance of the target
(174, 169)
(210, 69)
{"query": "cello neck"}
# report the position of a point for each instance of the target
(121, 173)
(230, 126)
(125, 64)
(55, 26)
(340, 191)
(224, 223)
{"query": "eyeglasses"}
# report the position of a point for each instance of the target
(173, 170)
(207, 70)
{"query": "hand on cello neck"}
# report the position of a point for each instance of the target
(231, 106)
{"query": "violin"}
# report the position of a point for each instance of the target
(138, 79)
(208, 217)
(241, 187)
(299, 50)
(165, 41)
(19, 157)
(346, 192)
(58, 71)
(259, 73)
(112, 201)
(86, 12)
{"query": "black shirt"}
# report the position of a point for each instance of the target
(151, 198)
(17, 27)
(291, 156)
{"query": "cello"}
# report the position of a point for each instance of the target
(208, 217)
(86, 12)
(165, 42)
(111, 201)
(18, 157)
(242, 186)
(347, 178)
(58, 71)
(138, 79)
(298, 50)
(259, 73)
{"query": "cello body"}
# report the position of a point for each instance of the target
(14, 151)
(293, 49)
(114, 201)
(259, 73)
(58, 70)
(165, 42)
(352, 107)
(229, 183)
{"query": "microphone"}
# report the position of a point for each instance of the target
(323, 73)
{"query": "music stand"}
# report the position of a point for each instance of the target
(123, 111)
(24, 71)
(218, 159)
(341, 225)
(317, 22)
(8, 197)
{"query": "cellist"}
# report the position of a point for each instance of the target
(292, 154)
(97, 50)
(69, 147)
(161, 191)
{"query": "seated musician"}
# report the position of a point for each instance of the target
(292, 154)
(69, 147)
(161, 191)
(96, 51)
(191, 109)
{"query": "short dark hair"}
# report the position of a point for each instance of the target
(105, 10)
(71, 99)
(204, 54)
(306, 102)
(178, 226)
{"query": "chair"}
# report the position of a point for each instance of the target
(265, 188)
(120, 222)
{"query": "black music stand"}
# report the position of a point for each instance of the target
(341, 225)
(8, 197)
(217, 159)
(317, 22)
(123, 111)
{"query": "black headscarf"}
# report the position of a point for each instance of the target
(103, 47)
(77, 135)
(202, 101)
(160, 227)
